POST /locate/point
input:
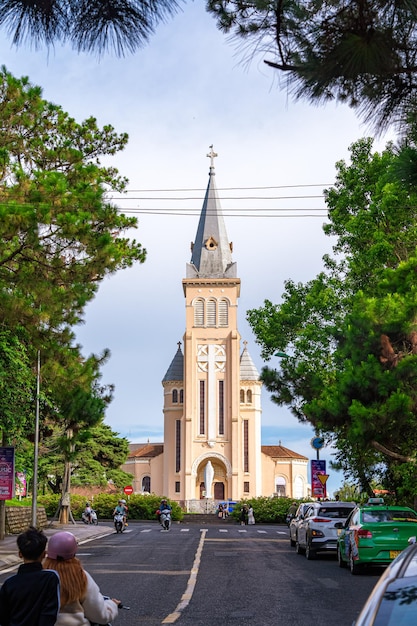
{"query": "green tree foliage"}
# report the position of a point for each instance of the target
(57, 230)
(362, 52)
(96, 459)
(89, 25)
(16, 386)
(351, 332)
(59, 238)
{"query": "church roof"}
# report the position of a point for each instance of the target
(211, 252)
(280, 452)
(248, 370)
(137, 450)
(175, 371)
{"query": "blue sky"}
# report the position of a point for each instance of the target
(186, 90)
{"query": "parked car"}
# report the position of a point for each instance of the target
(317, 532)
(393, 601)
(374, 534)
(293, 525)
(229, 505)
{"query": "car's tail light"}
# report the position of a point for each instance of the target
(321, 519)
(363, 533)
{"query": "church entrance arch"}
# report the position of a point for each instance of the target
(213, 470)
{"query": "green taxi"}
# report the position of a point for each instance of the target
(374, 534)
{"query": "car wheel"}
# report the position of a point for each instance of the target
(298, 548)
(340, 560)
(310, 553)
(292, 542)
(355, 568)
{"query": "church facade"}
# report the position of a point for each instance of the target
(212, 393)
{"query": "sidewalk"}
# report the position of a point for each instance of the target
(83, 533)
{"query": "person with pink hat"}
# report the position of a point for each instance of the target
(81, 600)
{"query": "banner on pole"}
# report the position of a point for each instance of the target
(6, 473)
(318, 486)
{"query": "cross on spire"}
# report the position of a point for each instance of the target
(211, 155)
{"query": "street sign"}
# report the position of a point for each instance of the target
(323, 478)
(128, 490)
(317, 443)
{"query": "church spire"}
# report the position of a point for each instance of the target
(211, 251)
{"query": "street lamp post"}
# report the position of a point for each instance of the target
(36, 451)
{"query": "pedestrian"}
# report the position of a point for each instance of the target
(81, 600)
(30, 597)
(251, 517)
(244, 515)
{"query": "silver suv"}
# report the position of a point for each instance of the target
(316, 531)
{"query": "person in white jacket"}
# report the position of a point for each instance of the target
(81, 600)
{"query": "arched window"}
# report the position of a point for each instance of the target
(211, 313)
(181, 396)
(199, 313)
(280, 486)
(223, 313)
(298, 487)
(146, 484)
(174, 396)
(242, 396)
(249, 396)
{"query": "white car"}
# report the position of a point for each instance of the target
(316, 531)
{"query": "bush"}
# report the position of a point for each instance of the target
(140, 507)
(266, 510)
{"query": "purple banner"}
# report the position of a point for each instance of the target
(6, 473)
(318, 489)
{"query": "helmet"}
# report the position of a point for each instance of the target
(120, 501)
(62, 546)
(164, 500)
(123, 501)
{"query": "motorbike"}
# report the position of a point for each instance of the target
(288, 518)
(165, 519)
(119, 522)
(93, 518)
(121, 606)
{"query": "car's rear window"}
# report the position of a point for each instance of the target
(374, 517)
(335, 512)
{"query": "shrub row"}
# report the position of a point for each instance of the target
(140, 507)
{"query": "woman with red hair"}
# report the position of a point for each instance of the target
(81, 600)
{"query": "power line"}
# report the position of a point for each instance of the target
(229, 188)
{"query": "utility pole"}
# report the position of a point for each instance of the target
(36, 452)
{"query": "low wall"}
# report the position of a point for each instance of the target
(18, 518)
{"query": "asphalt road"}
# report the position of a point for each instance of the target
(212, 575)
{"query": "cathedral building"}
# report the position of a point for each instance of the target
(212, 393)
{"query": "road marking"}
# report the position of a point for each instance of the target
(223, 530)
(242, 531)
(146, 530)
(261, 532)
(185, 530)
(188, 593)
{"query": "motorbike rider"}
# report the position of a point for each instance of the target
(122, 509)
(163, 506)
(88, 513)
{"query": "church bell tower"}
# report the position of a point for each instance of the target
(212, 406)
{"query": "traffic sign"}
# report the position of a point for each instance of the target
(317, 443)
(323, 478)
(128, 490)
